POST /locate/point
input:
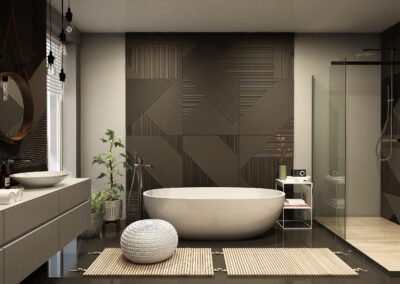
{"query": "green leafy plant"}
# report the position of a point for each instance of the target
(111, 163)
(98, 202)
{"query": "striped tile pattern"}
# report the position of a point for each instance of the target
(185, 262)
(284, 262)
(213, 124)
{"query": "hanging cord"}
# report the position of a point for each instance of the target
(51, 28)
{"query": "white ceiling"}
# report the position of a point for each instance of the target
(347, 16)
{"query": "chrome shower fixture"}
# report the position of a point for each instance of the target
(365, 53)
(389, 108)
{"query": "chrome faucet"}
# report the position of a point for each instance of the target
(138, 166)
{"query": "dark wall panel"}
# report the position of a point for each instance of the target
(390, 171)
(203, 109)
(23, 51)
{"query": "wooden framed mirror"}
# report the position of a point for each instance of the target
(22, 85)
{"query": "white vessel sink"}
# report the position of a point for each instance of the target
(40, 179)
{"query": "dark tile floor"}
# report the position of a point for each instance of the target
(318, 237)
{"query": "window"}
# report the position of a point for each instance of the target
(54, 109)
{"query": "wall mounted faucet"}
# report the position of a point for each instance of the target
(138, 165)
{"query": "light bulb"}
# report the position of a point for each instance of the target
(70, 28)
(68, 17)
(5, 88)
(51, 70)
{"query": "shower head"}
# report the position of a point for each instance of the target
(368, 52)
(365, 53)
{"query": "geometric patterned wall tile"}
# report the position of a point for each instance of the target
(24, 52)
(206, 119)
(262, 172)
(214, 157)
(157, 151)
(13, 112)
(153, 59)
(210, 94)
(213, 124)
(166, 112)
(272, 112)
(142, 94)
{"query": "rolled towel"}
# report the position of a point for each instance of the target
(7, 196)
(19, 192)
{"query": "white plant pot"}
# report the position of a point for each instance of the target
(96, 224)
(113, 210)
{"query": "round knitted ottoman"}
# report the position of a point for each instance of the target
(149, 241)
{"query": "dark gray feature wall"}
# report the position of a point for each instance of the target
(390, 171)
(203, 109)
(23, 49)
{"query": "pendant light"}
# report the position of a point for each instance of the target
(62, 36)
(4, 82)
(50, 57)
(68, 17)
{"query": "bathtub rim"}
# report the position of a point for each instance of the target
(282, 194)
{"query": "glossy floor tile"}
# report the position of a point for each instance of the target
(318, 237)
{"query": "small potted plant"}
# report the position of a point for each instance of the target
(97, 210)
(112, 161)
(283, 153)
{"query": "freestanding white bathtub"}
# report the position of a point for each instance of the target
(215, 213)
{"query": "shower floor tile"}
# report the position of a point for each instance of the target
(376, 237)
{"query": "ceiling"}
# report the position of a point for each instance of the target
(316, 16)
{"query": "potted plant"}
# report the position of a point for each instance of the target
(112, 161)
(283, 153)
(97, 210)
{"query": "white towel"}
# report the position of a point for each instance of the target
(19, 192)
(7, 196)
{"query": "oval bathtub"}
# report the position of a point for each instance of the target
(215, 213)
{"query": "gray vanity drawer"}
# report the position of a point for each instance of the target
(26, 254)
(1, 266)
(1, 228)
(27, 216)
(74, 222)
(73, 195)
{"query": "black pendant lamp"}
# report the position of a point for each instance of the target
(68, 16)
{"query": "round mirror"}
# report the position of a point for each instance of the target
(16, 107)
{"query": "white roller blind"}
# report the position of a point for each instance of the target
(54, 108)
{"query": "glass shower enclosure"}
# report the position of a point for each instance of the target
(329, 150)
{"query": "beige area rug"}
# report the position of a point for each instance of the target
(284, 262)
(185, 262)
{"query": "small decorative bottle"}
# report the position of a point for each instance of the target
(5, 181)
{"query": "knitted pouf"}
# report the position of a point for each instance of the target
(149, 241)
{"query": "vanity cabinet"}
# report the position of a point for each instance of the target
(26, 254)
(72, 223)
(23, 218)
(1, 228)
(36, 228)
(1, 267)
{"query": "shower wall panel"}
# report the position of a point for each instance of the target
(390, 171)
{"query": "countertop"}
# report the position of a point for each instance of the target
(30, 194)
